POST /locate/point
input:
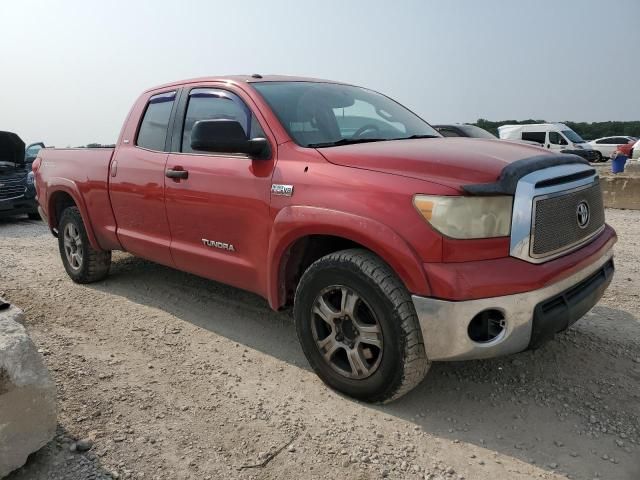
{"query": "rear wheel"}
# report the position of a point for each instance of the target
(83, 263)
(358, 327)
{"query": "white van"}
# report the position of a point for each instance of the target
(554, 136)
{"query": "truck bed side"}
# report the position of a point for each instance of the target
(79, 176)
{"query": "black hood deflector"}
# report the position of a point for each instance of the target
(11, 148)
(512, 173)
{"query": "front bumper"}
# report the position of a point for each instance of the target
(18, 206)
(530, 318)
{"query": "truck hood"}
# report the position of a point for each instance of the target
(452, 162)
(11, 149)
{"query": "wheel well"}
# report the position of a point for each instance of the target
(301, 254)
(59, 202)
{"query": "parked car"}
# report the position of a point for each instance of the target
(625, 149)
(31, 152)
(395, 247)
(608, 145)
(463, 130)
(553, 136)
(17, 192)
(472, 131)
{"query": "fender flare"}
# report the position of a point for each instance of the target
(295, 222)
(69, 187)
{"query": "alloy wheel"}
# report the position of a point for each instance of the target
(73, 246)
(347, 332)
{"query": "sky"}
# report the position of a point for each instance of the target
(70, 70)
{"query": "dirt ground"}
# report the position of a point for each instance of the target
(170, 376)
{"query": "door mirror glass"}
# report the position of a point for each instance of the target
(226, 136)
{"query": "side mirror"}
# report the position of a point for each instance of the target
(226, 136)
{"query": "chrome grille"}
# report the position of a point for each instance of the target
(555, 226)
(12, 186)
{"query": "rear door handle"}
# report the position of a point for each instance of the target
(177, 173)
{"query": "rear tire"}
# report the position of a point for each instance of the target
(83, 263)
(358, 327)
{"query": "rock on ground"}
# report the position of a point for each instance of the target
(27, 395)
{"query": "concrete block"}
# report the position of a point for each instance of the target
(27, 395)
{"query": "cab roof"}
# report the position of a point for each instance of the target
(236, 79)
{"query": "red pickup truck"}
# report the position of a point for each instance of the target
(396, 247)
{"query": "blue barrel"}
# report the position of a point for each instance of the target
(617, 163)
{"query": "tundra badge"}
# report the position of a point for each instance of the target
(282, 190)
(221, 245)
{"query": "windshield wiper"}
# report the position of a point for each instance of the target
(345, 141)
(416, 136)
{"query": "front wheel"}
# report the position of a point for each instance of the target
(83, 263)
(598, 157)
(358, 327)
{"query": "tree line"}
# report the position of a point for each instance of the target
(588, 131)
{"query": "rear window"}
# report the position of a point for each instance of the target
(477, 132)
(153, 129)
(445, 132)
(534, 136)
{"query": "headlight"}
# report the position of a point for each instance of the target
(467, 217)
(31, 178)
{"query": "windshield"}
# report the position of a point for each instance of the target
(32, 151)
(319, 114)
(476, 132)
(572, 136)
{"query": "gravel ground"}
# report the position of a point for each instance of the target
(162, 374)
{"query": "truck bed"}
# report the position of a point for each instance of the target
(85, 171)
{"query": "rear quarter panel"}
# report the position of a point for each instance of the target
(83, 174)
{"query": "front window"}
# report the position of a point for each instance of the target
(212, 104)
(325, 114)
(556, 139)
(572, 136)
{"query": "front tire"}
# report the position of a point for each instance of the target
(358, 327)
(83, 263)
(598, 157)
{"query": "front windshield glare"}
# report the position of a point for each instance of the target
(325, 114)
(572, 136)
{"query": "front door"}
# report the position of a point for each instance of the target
(557, 142)
(219, 210)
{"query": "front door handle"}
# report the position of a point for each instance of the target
(177, 173)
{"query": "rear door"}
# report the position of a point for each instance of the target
(219, 214)
(136, 183)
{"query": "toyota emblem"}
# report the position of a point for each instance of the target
(582, 214)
